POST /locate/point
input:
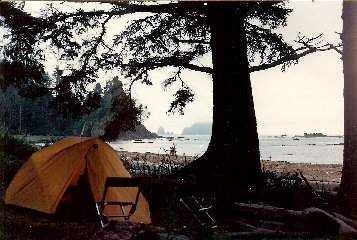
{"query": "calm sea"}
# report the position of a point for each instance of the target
(190, 145)
(309, 150)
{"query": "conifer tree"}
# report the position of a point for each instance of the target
(166, 35)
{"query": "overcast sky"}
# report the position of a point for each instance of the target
(308, 97)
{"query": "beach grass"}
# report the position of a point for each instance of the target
(154, 164)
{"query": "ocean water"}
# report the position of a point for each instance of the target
(305, 150)
(189, 145)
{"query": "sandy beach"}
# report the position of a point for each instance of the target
(312, 172)
(315, 173)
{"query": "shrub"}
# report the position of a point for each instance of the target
(9, 165)
(141, 165)
(14, 152)
(293, 190)
(16, 146)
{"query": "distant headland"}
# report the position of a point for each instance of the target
(204, 128)
(198, 128)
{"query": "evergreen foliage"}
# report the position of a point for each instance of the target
(14, 152)
(32, 116)
(21, 115)
(15, 146)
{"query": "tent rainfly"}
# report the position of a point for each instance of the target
(42, 181)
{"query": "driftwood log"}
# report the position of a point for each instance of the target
(267, 234)
(285, 223)
(267, 211)
(323, 222)
(351, 222)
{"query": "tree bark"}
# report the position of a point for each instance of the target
(234, 148)
(349, 57)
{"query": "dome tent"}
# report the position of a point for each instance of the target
(42, 181)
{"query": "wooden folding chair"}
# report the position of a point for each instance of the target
(118, 182)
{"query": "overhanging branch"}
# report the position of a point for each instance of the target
(309, 46)
(280, 61)
(169, 62)
(126, 8)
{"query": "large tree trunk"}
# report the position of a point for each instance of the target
(349, 39)
(234, 148)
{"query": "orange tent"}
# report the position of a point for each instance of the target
(42, 181)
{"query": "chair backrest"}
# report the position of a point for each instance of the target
(119, 182)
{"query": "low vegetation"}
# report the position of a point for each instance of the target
(14, 152)
(167, 166)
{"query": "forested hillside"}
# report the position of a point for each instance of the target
(36, 116)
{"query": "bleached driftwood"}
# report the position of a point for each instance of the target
(321, 222)
(267, 211)
(315, 221)
(351, 222)
(267, 234)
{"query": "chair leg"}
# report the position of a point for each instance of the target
(99, 214)
(200, 208)
(189, 209)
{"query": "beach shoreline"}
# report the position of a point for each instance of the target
(324, 173)
(327, 173)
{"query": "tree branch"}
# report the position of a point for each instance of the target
(336, 48)
(193, 41)
(126, 8)
(171, 63)
(308, 47)
(93, 50)
(280, 61)
(197, 68)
